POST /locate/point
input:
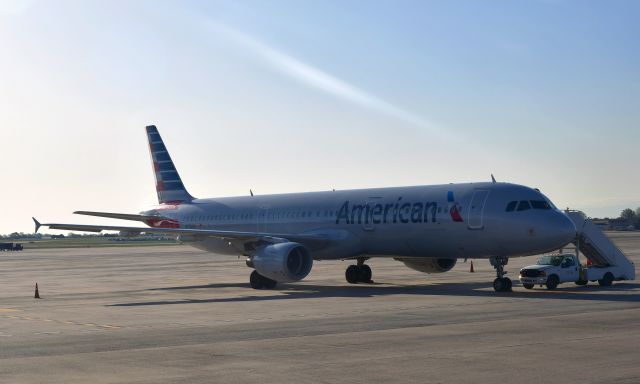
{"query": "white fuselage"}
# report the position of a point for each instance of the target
(444, 221)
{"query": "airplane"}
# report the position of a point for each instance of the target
(428, 228)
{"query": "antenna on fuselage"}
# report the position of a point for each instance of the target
(493, 179)
(251, 192)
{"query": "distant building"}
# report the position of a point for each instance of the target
(603, 224)
(614, 224)
(620, 225)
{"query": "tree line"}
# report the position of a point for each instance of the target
(40, 236)
(632, 217)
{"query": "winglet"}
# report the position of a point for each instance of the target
(493, 179)
(38, 225)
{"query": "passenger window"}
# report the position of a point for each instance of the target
(511, 206)
(524, 205)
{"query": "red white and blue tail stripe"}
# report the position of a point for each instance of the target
(168, 183)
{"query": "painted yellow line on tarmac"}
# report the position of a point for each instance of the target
(4, 310)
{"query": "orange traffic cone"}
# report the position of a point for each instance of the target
(37, 294)
(471, 269)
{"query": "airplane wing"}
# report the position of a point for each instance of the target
(122, 216)
(312, 240)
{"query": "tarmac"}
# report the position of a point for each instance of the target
(180, 315)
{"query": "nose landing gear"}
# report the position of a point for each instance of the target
(501, 283)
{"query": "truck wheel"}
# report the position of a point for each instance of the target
(582, 282)
(606, 280)
(527, 286)
(552, 282)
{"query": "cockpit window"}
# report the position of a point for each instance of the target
(540, 204)
(511, 206)
(523, 205)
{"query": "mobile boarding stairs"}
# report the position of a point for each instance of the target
(602, 254)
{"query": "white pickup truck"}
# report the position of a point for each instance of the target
(552, 270)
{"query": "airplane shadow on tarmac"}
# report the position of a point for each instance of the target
(308, 291)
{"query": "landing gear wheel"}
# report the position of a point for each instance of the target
(527, 286)
(269, 284)
(606, 280)
(498, 284)
(352, 274)
(502, 284)
(582, 282)
(258, 281)
(365, 274)
(358, 273)
(508, 284)
(552, 282)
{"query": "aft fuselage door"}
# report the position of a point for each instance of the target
(476, 209)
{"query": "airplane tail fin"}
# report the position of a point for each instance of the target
(168, 183)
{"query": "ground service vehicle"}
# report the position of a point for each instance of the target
(605, 261)
(10, 247)
(551, 270)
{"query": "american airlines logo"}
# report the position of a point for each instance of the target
(398, 212)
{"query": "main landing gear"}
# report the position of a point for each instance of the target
(501, 283)
(360, 273)
(258, 281)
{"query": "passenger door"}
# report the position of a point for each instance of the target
(476, 209)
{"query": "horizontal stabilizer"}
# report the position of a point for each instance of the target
(37, 223)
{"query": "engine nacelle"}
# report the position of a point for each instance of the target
(283, 262)
(430, 264)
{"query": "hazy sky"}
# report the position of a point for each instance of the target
(284, 96)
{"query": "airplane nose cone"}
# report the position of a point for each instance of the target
(565, 229)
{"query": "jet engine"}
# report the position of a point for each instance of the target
(283, 262)
(430, 264)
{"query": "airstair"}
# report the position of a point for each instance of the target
(599, 249)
